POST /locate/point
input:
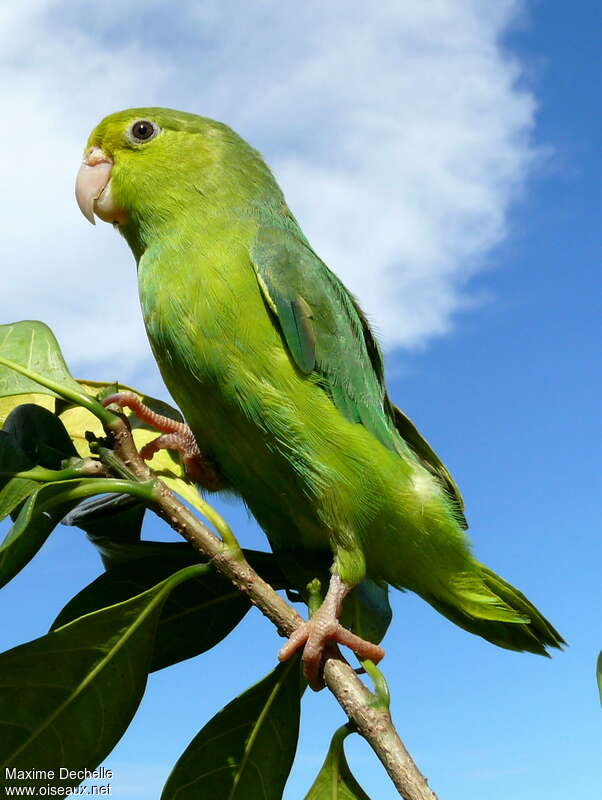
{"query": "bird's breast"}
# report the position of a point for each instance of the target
(210, 331)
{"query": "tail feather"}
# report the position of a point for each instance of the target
(487, 605)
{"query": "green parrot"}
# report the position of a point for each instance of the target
(281, 381)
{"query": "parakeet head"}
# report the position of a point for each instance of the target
(146, 167)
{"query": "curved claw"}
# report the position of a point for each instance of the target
(175, 435)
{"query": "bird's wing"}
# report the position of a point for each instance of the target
(323, 328)
(429, 459)
(327, 333)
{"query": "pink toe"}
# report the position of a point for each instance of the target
(295, 641)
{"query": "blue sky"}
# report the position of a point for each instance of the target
(444, 159)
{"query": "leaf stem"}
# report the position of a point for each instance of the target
(109, 458)
(87, 468)
(220, 525)
(336, 745)
(80, 398)
(94, 486)
(381, 686)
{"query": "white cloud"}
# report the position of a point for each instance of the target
(398, 133)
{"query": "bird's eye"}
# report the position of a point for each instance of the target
(142, 130)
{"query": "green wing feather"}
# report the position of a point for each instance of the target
(406, 428)
(327, 332)
(429, 459)
(322, 328)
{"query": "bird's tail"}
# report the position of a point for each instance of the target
(485, 604)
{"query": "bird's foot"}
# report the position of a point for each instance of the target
(176, 436)
(318, 635)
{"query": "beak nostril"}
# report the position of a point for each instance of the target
(95, 155)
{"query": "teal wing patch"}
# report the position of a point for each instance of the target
(324, 329)
(326, 332)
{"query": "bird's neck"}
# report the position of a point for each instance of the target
(200, 222)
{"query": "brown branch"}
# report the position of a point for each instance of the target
(368, 717)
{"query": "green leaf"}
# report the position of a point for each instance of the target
(12, 457)
(197, 615)
(599, 674)
(67, 698)
(31, 436)
(119, 543)
(40, 434)
(13, 491)
(32, 345)
(43, 510)
(7, 404)
(246, 751)
(115, 550)
(29, 532)
(110, 522)
(335, 780)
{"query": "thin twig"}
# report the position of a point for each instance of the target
(365, 712)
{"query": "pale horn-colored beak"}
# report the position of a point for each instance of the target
(93, 188)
